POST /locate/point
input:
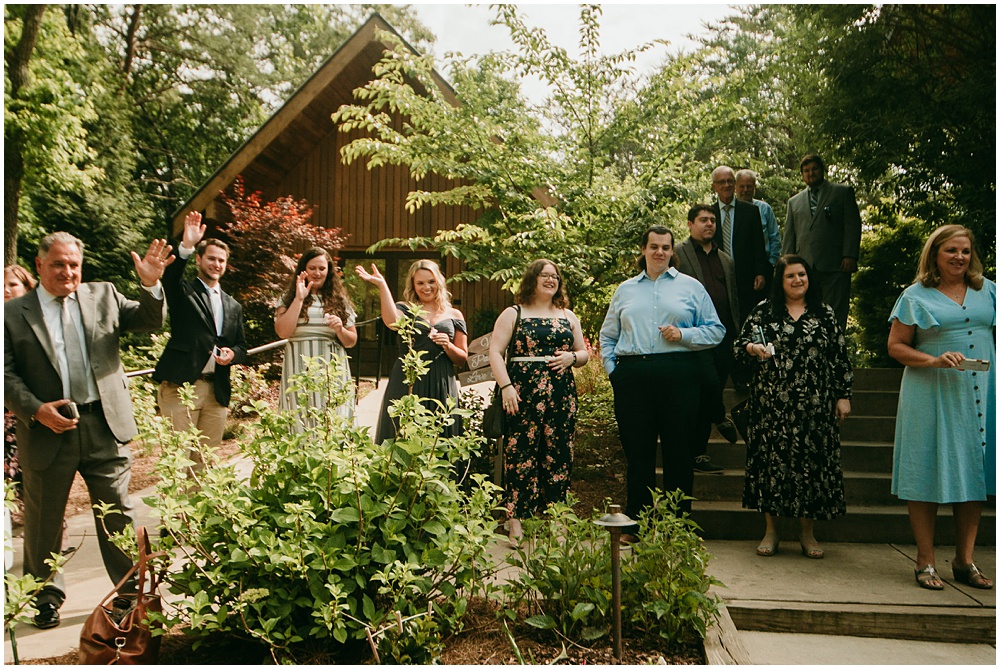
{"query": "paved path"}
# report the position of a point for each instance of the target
(853, 574)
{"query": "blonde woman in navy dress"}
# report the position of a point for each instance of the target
(538, 391)
(440, 332)
(945, 446)
(317, 319)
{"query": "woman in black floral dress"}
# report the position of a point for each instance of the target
(800, 394)
(539, 393)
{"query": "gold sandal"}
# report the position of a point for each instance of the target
(971, 575)
(926, 575)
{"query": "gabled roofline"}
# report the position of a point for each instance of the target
(299, 100)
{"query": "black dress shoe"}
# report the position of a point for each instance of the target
(47, 616)
(728, 430)
(703, 465)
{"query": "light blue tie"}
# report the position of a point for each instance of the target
(727, 228)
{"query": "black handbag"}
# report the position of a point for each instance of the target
(741, 418)
(494, 417)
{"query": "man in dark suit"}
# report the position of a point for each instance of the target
(700, 257)
(823, 225)
(64, 381)
(740, 235)
(206, 337)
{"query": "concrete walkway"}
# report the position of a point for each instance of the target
(851, 577)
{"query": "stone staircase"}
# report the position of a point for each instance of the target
(874, 515)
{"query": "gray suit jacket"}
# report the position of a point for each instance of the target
(31, 370)
(687, 262)
(833, 234)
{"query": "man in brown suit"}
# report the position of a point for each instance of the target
(64, 381)
(699, 256)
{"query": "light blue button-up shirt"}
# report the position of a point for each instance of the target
(772, 238)
(641, 305)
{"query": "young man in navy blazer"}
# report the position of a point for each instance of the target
(206, 338)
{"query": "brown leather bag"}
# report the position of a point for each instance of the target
(129, 641)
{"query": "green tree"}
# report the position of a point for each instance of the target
(45, 113)
(909, 98)
(542, 177)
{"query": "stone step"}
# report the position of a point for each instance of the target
(858, 428)
(871, 378)
(881, 428)
(858, 456)
(864, 524)
(885, 621)
(860, 488)
(863, 403)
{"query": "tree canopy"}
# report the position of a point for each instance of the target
(114, 114)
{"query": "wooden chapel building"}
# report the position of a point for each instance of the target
(297, 153)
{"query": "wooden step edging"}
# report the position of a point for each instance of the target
(913, 623)
(722, 641)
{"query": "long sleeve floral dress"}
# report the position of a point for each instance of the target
(793, 448)
(538, 453)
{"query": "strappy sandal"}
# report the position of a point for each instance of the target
(971, 575)
(925, 577)
(812, 552)
(767, 548)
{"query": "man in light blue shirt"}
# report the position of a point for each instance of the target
(746, 188)
(656, 323)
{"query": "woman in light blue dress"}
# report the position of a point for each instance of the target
(945, 445)
(317, 319)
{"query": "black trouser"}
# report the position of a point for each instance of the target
(657, 396)
(717, 363)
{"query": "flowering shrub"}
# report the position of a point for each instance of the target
(333, 538)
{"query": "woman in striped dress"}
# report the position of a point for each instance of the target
(317, 319)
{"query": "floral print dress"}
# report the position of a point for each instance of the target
(793, 450)
(538, 453)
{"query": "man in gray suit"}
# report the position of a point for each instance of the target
(64, 381)
(700, 257)
(823, 225)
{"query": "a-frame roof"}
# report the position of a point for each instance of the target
(304, 119)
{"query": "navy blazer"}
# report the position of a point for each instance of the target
(192, 332)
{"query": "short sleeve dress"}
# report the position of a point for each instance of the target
(439, 383)
(314, 338)
(945, 444)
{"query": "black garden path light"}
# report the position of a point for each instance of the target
(615, 521)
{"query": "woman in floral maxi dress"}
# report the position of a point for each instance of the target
(539, 392)
(799, 394)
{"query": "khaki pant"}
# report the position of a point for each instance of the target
(207, 415)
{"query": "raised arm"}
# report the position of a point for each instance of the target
(389, 312)
(150, 267)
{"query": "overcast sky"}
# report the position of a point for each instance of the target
(465, 28)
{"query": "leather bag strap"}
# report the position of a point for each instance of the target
(142, 539)
(513, 334)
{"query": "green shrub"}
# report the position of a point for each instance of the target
(564, 575)
(564, 579)
(890, 252)
(664, 580)
(595, 398)
(334, 538)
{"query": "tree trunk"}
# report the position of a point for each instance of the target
(13, 150)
